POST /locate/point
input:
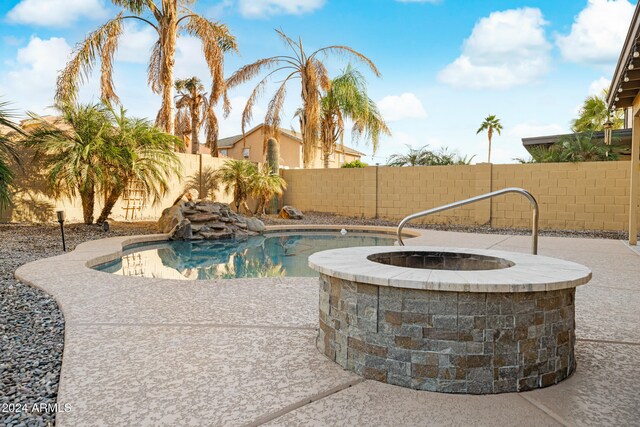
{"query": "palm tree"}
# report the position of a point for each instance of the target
(444, 157)
(425, 157)
(491, 124)
(78, 155)
(582, 147)
(594, 113)
(264, 185)
(192, 106)
(205, 183)
(313, 78)
(145, 159)
(236, 176)
(347, 99)
(415, 157)
(579, 147)
(8, 153)
(168, 19)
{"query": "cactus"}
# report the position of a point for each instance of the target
(273, 160)
(273, 155)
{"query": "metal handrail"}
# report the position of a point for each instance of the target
(532, 200)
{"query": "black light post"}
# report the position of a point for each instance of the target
(60, 215)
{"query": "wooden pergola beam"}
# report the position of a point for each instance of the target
(630, 97)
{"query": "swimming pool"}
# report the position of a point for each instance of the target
(269, 255)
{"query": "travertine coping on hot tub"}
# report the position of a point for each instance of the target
(529, 273)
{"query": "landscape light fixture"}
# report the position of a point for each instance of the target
(60, 215)
(608, 130)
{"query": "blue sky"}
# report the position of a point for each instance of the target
(445, 64)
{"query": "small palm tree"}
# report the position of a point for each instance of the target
(236, 175)
(193, 112)
(491, 124)
(8, 131)
(415, 157)
(205, 183)
(347, 99)
(444, 157)
(594, 113)
(78, 155)
(145, 158)
(313, 78)
(168, 19)
(264, 185)
(582, 147)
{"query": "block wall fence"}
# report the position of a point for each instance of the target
(33, 200)
(576, 196)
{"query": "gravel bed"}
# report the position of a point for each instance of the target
(332, 219)
(31, 325)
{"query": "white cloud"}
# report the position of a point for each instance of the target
(418, 1)
(136, 42)
(405, 106)
(598, 32)
(266, 8)
(528, 130)
(596, 86)
(56, 13)
(31, 79)
(232, 125)
(505, 49)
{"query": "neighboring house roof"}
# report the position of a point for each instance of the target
(619, 136)
(232, 140)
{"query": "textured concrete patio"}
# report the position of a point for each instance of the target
(241, 352)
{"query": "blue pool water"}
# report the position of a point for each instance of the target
(269, 255)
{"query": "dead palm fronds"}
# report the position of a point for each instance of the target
(193, 112)
(313, 77)
(168, 19)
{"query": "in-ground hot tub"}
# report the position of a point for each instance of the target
(449, 320)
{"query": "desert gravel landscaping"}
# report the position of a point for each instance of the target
(32, 326)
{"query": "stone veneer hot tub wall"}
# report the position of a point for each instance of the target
(512, 337)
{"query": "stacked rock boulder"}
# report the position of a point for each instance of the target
(290, 212)
(206, 220)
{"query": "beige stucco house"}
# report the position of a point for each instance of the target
(251, 148)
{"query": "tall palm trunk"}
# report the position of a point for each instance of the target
(328, 130)
(326, 156)
(168, 34)
(109, 203)
(195, 127)
(311, 107)
(87, 197)
(489, 134)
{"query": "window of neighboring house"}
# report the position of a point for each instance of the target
(246, 152)
(223, 152)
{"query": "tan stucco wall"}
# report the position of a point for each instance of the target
(571, 195)
(33, 202)
(290, 152)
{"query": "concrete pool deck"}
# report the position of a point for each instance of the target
(241, 352)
